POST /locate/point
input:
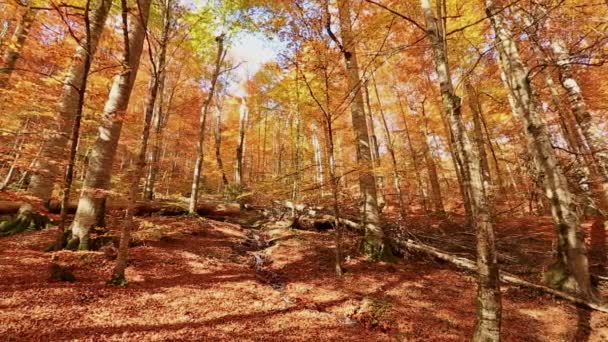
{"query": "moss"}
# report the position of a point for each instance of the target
(376, 249)
(558, 276)
(118, 280)
(72, 243)
(27, 220)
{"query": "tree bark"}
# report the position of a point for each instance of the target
(240, 153)
(97, 181)
(47, 167)
(159, 116)
(571, 268)
(14, 47)
(488, 293)
(18, 147)
(431, 166)
(85, 44)
(136, 171)
(373, 244)
(413, 155)
(390, 146)
(375, 149)
(218, 143)
(198, 165)
(594, 138)
(478, 137)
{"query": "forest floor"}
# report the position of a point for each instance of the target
(199, 279)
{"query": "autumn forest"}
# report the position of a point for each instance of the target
(295, 170)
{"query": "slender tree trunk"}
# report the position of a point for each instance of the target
(97, 182)
(17, 148)
(135, 173)
(479, 140)
(3, 30)
(566, 120)
(390, 146)
(431, 166)
(318, 158)
(571, 269)
(413, 155)
(158, 117)
(218, 143)
(198, 166)
(15, 45)
(499, 175)
(488, 295)
(373, 244)
(375, 149)
(240, 153)
(46, 168)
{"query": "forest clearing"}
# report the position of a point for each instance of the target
(331, 170)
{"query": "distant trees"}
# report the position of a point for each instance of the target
(441, 85)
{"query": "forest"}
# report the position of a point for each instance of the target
(297, 170)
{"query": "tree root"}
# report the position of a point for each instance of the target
(27, 220)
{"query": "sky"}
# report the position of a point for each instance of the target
(252, 50)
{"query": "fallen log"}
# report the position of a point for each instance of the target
(141, 208)
(469, 265)
(504, 276)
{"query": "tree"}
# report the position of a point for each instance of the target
(373, 244)
(97, 182)
(571, 268)
(198, 165)
(15, 45)
(54, 148)
(488, 291)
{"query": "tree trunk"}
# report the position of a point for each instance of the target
(375, 149)
(97, 181)
(390, 146)
(571, 268)
(17, 150)
(218, 143)
(136, 171)
(413, 155)
(488, 295)
(85, 44)
(594, 138)
(54, 148)
(431, 166)
(476, 113)
(159, 116)
(318, 158)
(373, 244)
(14, 47)
(240, 153)
(198, 165)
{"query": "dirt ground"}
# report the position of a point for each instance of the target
(198, 279)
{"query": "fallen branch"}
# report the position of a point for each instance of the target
(467, 264)
(141, 208)
(504, 276)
